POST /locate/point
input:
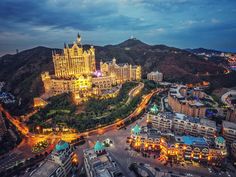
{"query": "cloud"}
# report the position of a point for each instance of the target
(25, 23)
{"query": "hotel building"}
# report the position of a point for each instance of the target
(75, 72)
(182, 124)
(229, 131)
(57, 164)
(231, 114)
(123, 72)
(99, 163)
(155, 76)
(179, 148)
(181, 102)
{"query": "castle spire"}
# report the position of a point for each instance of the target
(78, 39)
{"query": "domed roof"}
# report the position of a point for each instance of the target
(220, 139)
(136, 130)
(154, 109)
(98, 146)
(61, 145)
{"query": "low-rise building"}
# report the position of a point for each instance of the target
(57, 164)
(229, 131)
(181, 101)
(155, 76)
(99, 163)
(179, 148)
(231, 114)
(182, 124)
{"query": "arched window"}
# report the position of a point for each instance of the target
(75, 52)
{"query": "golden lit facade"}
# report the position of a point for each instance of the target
(178, 150)
(105, 82)
(123, 72)
(74, 61)
(75, 72)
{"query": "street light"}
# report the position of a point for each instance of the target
(38, 128)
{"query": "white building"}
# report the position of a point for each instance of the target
(229, 131)
(98, 162)
(182, 124)
(155, 76)
(57, 164)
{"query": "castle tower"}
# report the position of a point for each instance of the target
(78, 40)
(114, 61)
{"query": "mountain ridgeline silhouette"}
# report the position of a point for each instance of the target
(22, 71)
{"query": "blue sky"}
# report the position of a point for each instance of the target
(179, 23)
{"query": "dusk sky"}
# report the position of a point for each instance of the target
(179, 23)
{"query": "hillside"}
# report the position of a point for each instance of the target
(203, 50)
(22, 71)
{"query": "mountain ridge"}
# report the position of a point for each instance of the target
(23, 77)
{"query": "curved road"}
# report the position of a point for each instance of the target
(31, 138)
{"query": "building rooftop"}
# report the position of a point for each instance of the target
(195, 103)
(101, 165)
(136, 129)
(204, 122)
(229, 125)
(62, 145)
(186, 118)
(154, 108)
(190, 140)
(45, 169)
(207, 122)
(98, 146)
(220, 140)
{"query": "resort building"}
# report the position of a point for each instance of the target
(181, 102)
(155, 76)
(229, 131)
(57, 164)
(179, 148)
(231, 114)
(75, 72)
(182, 124)
(99, 163)
(123, 72)
(74, 60)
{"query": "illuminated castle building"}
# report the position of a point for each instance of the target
(75, 72)
(123, 72)
(74, 61)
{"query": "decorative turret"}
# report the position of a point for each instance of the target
(114, 61)
(78, 39)
(98, 147)
(220, 142)
(62, 145)
(136, 130)
(154, 109)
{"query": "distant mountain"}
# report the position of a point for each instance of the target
(203, 50)
(22, 71)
